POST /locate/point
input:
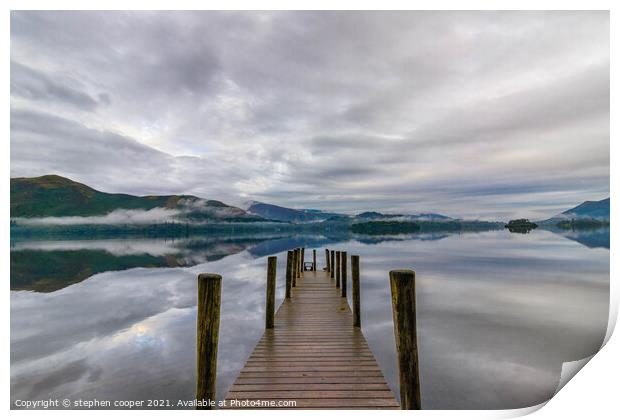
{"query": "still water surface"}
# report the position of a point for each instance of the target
(498, 313)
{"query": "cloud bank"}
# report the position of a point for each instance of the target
(120, 216)
(470, 114)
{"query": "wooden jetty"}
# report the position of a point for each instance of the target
(313, 354)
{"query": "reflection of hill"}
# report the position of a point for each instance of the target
(598, 238)
(385, 228)
(278, 245)
(592, 238)
(48, 271)
(377, 239)
(47, 266)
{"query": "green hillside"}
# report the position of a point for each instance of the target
(53, 195)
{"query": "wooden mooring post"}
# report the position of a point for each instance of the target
(298, 264)
(289, 273)
(331, 263)
(314, 260)
(207, 336)
(303, 260)
(327, 259)
(355, 290)
(295, 267)
(338, 269)
(402, 285)
(343, 277)
(270, 299)
(360, 378)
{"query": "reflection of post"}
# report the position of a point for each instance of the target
(314, 260)
(343, 279)
(289, 273)
(338, 271)
(327, 259)
(402, 284)
(207, 335)
(331, 263)
(270, 300)
(355, 289)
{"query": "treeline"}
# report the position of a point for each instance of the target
(328, 227)
(385, 228)
(582, 224)
(403, 227)
(159, 230)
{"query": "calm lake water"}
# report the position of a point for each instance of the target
(498, 313)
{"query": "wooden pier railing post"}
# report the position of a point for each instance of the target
(270, 299)
(303, 259)
(402, 285)
(295, 266)
(289, 273)
(314, 260)
(327, 260)
(315, 356)
(207, 336)
(355, 289)
(343, 277)
(338, 270)
(331, 263)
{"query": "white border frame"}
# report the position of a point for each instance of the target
(593, 394)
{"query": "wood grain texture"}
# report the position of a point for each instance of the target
(402, 285)
(270, 298)
(314, 260)
(313, 356)
(327, 259)
(338, 269)
(295, 266)
(207, 334)
(355, 290)
(289, 274)
(303, 259)
(343, 277)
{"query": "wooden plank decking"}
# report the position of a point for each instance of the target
(314, 355)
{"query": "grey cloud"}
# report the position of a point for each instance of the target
(105, 160)
(324, 109)
(557, 104)
(32, 84)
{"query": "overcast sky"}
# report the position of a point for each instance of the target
(470, 114)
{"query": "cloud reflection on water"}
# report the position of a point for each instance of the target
(498, 314)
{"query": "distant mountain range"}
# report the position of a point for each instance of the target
(373, 215)
(284, 214)
(589, 210)
(594, 211)
(59, 197)
(56, 196)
